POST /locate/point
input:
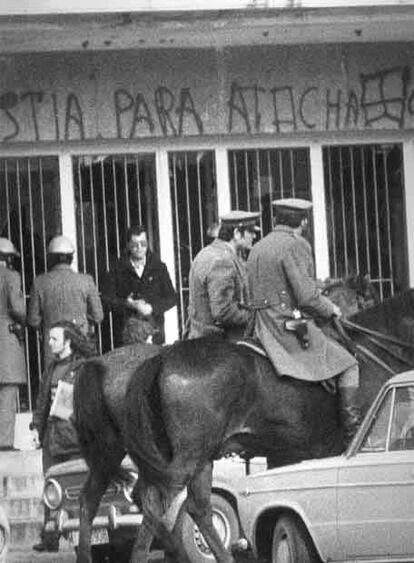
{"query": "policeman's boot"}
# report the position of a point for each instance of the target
(349, 412)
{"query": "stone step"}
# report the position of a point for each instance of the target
(25, 532)
(22, 486)
(21, 462)
(23, 508)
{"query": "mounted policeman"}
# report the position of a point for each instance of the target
(218, 283)
(289, 305)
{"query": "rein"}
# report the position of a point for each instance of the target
(353, 348)
(381, 336)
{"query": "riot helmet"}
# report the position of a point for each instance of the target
(7, 247)
(60, 245)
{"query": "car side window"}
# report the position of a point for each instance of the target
(402, 429)
(376, 438)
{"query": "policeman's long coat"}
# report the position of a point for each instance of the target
(281, 271)
(218, 289)
(12, 309)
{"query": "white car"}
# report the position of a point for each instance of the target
(355, 507)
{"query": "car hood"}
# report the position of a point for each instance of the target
(295, 474)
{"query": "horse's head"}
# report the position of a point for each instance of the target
(352, 294)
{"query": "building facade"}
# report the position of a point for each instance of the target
(171, 118)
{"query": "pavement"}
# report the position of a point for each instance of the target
(26, 556)
(63, 556)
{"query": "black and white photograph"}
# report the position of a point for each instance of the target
(206, 281)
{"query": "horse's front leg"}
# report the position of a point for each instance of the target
(200, 510)
(90, 497)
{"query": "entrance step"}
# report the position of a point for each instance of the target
(21, 486)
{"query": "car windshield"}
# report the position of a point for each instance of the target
(392, 427)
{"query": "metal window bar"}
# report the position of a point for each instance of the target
(356, 239)
(343, 207)
(174, 198)
(30, 215)
(365, 222)
(377, 229)
(194, 201)
(388, 226)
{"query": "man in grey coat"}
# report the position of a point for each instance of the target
(12, 359)
(218, 283)
(281, 275)
(63, 295)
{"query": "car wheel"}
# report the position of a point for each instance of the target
(292, 543)
(226, 523)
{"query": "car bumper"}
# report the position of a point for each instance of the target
(110, 521)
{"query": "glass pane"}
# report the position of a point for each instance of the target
(259, 176)
(366, 216)
(376, 437)
(194, 200)
(112, 192)
(30, 215)
(402, 429)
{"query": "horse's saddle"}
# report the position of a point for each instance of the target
(254, 344)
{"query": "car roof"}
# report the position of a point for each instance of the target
(404, 377)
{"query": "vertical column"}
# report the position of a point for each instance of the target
(223, 182)
(67, 199)
(221, 156)
(166, 236)
(408, 153)
(319, 212)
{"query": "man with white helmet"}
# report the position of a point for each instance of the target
(63, 295)
(12, 360)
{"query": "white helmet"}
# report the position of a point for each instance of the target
(60, 245)
(7, 247)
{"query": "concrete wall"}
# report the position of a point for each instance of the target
(165, 93)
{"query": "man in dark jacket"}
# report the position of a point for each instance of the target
(281, 274)
(54, 424)
(218, 283)
(138, 290)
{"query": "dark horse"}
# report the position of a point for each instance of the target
(189, 404)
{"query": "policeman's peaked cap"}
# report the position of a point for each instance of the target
(292, 204)
(241, 219)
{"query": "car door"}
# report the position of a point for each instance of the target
(376, 485)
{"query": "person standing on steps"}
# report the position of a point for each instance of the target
(12, 358)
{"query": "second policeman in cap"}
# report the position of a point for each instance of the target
(281, 273)
(218, 284)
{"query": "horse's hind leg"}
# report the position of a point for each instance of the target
(156, 523)
(99, 476)
(200, 510)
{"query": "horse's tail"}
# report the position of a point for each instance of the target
(147, 438)
(92, 418)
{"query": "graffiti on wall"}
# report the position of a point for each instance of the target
(381, 99)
